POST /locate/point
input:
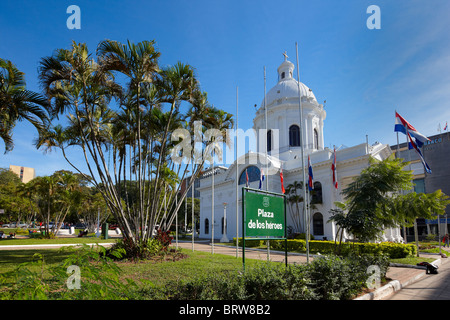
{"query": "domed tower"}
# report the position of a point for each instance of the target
(283, 117)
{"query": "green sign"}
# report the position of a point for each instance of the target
(264, 215)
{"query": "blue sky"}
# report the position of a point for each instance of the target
(364, 75)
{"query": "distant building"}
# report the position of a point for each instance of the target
(25, 174)
(436, 153)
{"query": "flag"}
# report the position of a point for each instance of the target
(401, 125)
(261, 179)
(310, 174)
(413, 145)
(246, 177)
(281, 179)
(446, 126)
(333, 169)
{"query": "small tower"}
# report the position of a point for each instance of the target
(283, 116)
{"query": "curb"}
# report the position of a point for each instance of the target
(395, 285)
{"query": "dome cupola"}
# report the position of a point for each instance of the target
(281, 105)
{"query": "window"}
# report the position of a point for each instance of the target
(294, 136)
(318, 224)
(282, 75)
(206, 226)
(253, 175)
(269, 140)
(317, 193)
(316, 139)
(419, 185)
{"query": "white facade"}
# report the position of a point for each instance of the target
(283, 119)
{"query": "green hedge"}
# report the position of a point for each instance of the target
(326, 278)
(392, 250)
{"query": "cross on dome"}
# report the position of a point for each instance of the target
(285, 56)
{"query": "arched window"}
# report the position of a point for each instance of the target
(318, 224)
(206, 226)
(294, 136)
(317, 193)
(269, 140)
(316, 139)
(253, 175)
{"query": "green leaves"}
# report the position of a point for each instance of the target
(413, 205)
(17, 103)
(373, 202)
(99, 278)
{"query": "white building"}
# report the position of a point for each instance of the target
(283, 141)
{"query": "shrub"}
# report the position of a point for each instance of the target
(262, 282)
(392, 250)
(125, 248)
(249, 243)
(99, 279)
(335, 278)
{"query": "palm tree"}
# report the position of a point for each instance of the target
(17, 103)
(46, 189)
(136, 134)
(294, 199)
(139, 63)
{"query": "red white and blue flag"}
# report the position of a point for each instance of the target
(413, 145)
(333, 169)
(261, 179)
(446, 125)
(401, 125)
(310, 174)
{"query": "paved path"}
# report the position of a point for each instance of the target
(250, 253)
(428, 286)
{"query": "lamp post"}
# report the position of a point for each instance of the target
(224, 237)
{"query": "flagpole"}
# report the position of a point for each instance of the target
(302, 152)
(212, 203)
(416, 236)
(237, 178)
(267, 147)
(192, 209)
(398, 157)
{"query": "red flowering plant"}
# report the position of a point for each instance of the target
(164, 238)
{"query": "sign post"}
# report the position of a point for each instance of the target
(263, 217)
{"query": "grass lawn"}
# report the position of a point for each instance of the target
(195, 264)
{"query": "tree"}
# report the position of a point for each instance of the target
(294, 199)
(17, 103)
(54, 196)
(94, 211)
(7, 176)
(373, 201)
(128, 145)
